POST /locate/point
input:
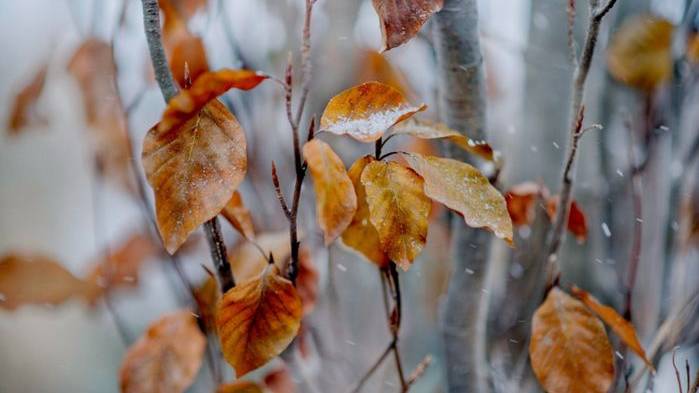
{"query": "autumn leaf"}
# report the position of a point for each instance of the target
(166, 358)
(366, 111)
(623, 328)
(207, 295)
(361, 235)
(181, 46)
(424, 129)
(398, 209)
(249, 258)
(639, 53)
(187, 103)
(24, 112)
(521, 199)
(240, 387)
(373, 66)
(257, 320)
(401, 20)
(336, 202)
(462, 188)
(194, 169)
(185, 8)
(35, 279)
(577, 223)
(569, 349)
(239, 216)
(280, 381)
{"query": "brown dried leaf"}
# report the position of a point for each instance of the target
(166, 358)
(24, 107)
(35, 279)
(424, 129)
(206, 87)
(207, 295)
(181, 45)
(462, 188)
(257, 320)
(247, 261)
(185, 8)
(623, 328)
(194, 169)
(521, 199)
(401, 20)
(639, 53)
(569, 349)
(361, 235)
(577, 223)
(398, 209)
(240, 387)
(239, 216)
(336, 202)
(366, 111)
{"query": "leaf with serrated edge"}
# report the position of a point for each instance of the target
(623, 328)
(194, 169)
(166, 358)
(569, 349)
(398, 209)
(335, 198)
(239, 216)
(462, 188)
(366, 111)
(257, 320)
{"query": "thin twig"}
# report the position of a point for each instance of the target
(637, 203)
(419, 370)
(373, 368)
(395, 319)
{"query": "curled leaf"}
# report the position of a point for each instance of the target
(398, 209)
(462, 188)
(166, 358)
(194, 169)
(257, 320)
(24, 112)
(361, 235)
(239, 216)
(569, 349)
(366, 111)
(424, 129)
(401, 20)
(623, 328)
(187, 103)
(35, 279)
(335, 198)
(640, 52)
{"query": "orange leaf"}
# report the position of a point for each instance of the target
(207, 295)
(240, 387)
(577, 223)
(429, 130)
(181, 45)
(280, 381)
(35, 279)
(520, 202)
(194, 169)
(398, 209)
(366, 111)
(401, 20)
(569, 349)
(373, 66)
(247, 261)
(462, 188)
(361, 234)
(336, 202)
(24, 108)
(257, 320)
(239, 216)
(185, 8)
(623, 328)
(166, 358)
(639, 53)
(207, 87)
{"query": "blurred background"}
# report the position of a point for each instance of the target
(55, 201)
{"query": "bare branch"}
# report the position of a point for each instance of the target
(280, 194)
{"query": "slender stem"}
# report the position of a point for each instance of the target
(636, 200)
(394, 286)
(373, 368)
(212, 229)
(377, 148)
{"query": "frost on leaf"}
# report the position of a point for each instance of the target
(398, 209)
(194, 169)
(361, 235)
(166, 358)
(239, 216)
(257, 320)
(335, 198)
(366, 111)
(401, 20)
(569, 349)
(462, 188)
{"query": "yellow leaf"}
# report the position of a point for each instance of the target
(239, 216)
(623, 328)
(640, 52)
(166, 358)
(194, 169)
(335, 199)
(398, 209)
(569, 349)
(462, 188)
(257, 320)
(366, 111)
(401, 20)
(361, 234)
